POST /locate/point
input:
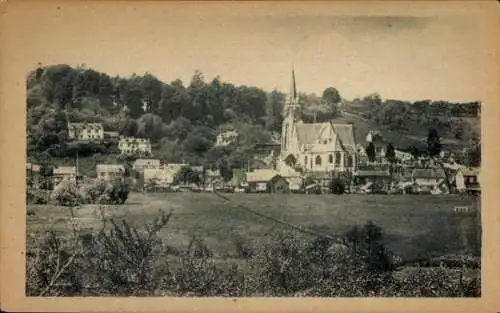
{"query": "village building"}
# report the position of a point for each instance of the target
(130, 145)
(112, 135)
(110, 171)
(141, 164)
(320, 147)
(226, 138)
(373, 135)
(64, 173)
(266, 181)
(85, 131)
(430, 179)
(467, 180)
(373, 179)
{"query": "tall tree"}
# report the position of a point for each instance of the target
(370, 152)
(433, 143)
(390, 153)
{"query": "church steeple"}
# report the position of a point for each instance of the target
(289, 116)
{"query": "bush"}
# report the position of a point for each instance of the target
(337, 186)
(102, 192)
(67, 194)
(35, 197)
(121, 259)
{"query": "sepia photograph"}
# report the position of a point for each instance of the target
(252, 150)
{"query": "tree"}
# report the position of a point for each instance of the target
(433, 143)
(187, 175)
(370, 152)
(331, 96)
(473, 155)
(390, 153)
(367, 244)
(337, 186)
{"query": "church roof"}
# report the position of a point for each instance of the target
(345, 133)
(307, 133)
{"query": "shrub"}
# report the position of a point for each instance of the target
(121, 259)
(67, 194)
(337, 186)
(103, 192)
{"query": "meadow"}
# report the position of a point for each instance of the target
(414, 227)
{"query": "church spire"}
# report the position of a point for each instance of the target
(293, 87)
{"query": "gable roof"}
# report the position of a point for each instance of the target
(65, 170)
(380, 173)
(437, 173)
(345, 132)
(110, 167)
(307, 133)
(85, 125)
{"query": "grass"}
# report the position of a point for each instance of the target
(414, 226)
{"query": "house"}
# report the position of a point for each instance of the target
(64, 173)
(293, 176)
(226, 138)
(373, 135)
(379, 178)
(134, 145)
(404, 157)
(321, 147)
(85, 131)
(141, 164)
(266, 181)
(431, 179)
(111, 135)
(110, 171)
(467, 180)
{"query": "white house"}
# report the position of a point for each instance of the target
(467, 178)
(141, 164)
(133, 145)
(226, 138)
(318, 147)
(110, 171)
(85, 131)
(429, 178)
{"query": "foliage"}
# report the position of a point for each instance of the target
(370, 152)
(121, 259)
(67, 193)
(187, 175)
(390, 153)
(337, 186)
(433, 143)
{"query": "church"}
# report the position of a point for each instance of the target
(314, 147)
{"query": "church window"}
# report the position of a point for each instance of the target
(318, 160)
(337, 159)
(330, 158)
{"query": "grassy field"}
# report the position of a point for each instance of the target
(414, 226)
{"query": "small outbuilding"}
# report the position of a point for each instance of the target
(266, 181)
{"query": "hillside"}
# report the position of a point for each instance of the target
(182, 120)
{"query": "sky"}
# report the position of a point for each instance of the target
(400, 57)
